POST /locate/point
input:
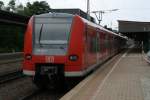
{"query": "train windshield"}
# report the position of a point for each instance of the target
(52, 33)
(52, 30)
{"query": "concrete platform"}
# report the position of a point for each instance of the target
(125, 77)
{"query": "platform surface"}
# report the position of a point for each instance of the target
(125, 77)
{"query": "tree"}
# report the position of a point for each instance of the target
(11, 5)
(36, 8)
(1, 4)
(20, 9)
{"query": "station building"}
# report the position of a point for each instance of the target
(139, 31)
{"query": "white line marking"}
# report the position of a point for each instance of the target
(132, 56)
(104, 80)
(125, 54)
(145, 57)
(77, 88)
(29, 72)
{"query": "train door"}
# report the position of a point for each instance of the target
(102, 35)
(107, 45)
(110, 46)
(97, 45)
(86, 46)
(104, 45)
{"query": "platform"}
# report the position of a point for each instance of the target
(124, 77)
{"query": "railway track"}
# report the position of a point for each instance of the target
(10, 76)
(46, 94)
(6, 58)
(10, 66)
(10, 61)
(43, 95)
(30, 95)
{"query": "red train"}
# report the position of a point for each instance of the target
(59, 46)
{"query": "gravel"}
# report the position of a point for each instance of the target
(48, 95)
(10, 67)
(16, 89)
(19, 88)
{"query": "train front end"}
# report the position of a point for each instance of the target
(46, 48)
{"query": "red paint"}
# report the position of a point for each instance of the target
(82, 32)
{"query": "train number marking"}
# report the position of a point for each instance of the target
(49, 59)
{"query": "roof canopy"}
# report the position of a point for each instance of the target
(133, 26)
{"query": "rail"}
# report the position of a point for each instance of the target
(11, 57)
(31, 94)
(10, 76)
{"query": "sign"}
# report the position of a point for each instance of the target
(49, 59)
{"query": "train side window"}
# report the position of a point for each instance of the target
(86, 33)
(106, 41)
(103, 41)
(93, 40)
(93, 44)
(98, 42)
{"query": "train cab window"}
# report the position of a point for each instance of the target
(51, 35)
(52, 30)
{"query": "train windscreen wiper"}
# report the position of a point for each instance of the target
(40, 35)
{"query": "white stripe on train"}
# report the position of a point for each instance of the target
(68, 74)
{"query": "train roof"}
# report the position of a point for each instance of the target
(101, 27)
(64, 15)
(55, 15)
(74, 11)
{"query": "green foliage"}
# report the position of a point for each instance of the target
(1, 4)
(11, 37)
(11, 6)
(36, 8)
(20, 9)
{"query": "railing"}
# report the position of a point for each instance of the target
(144, 55)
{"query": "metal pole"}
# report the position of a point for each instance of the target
(100, 14)
(88, 9)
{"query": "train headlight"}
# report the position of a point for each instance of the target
(28, 57)
(73, 57)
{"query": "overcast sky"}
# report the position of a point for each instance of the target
(135, 10)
